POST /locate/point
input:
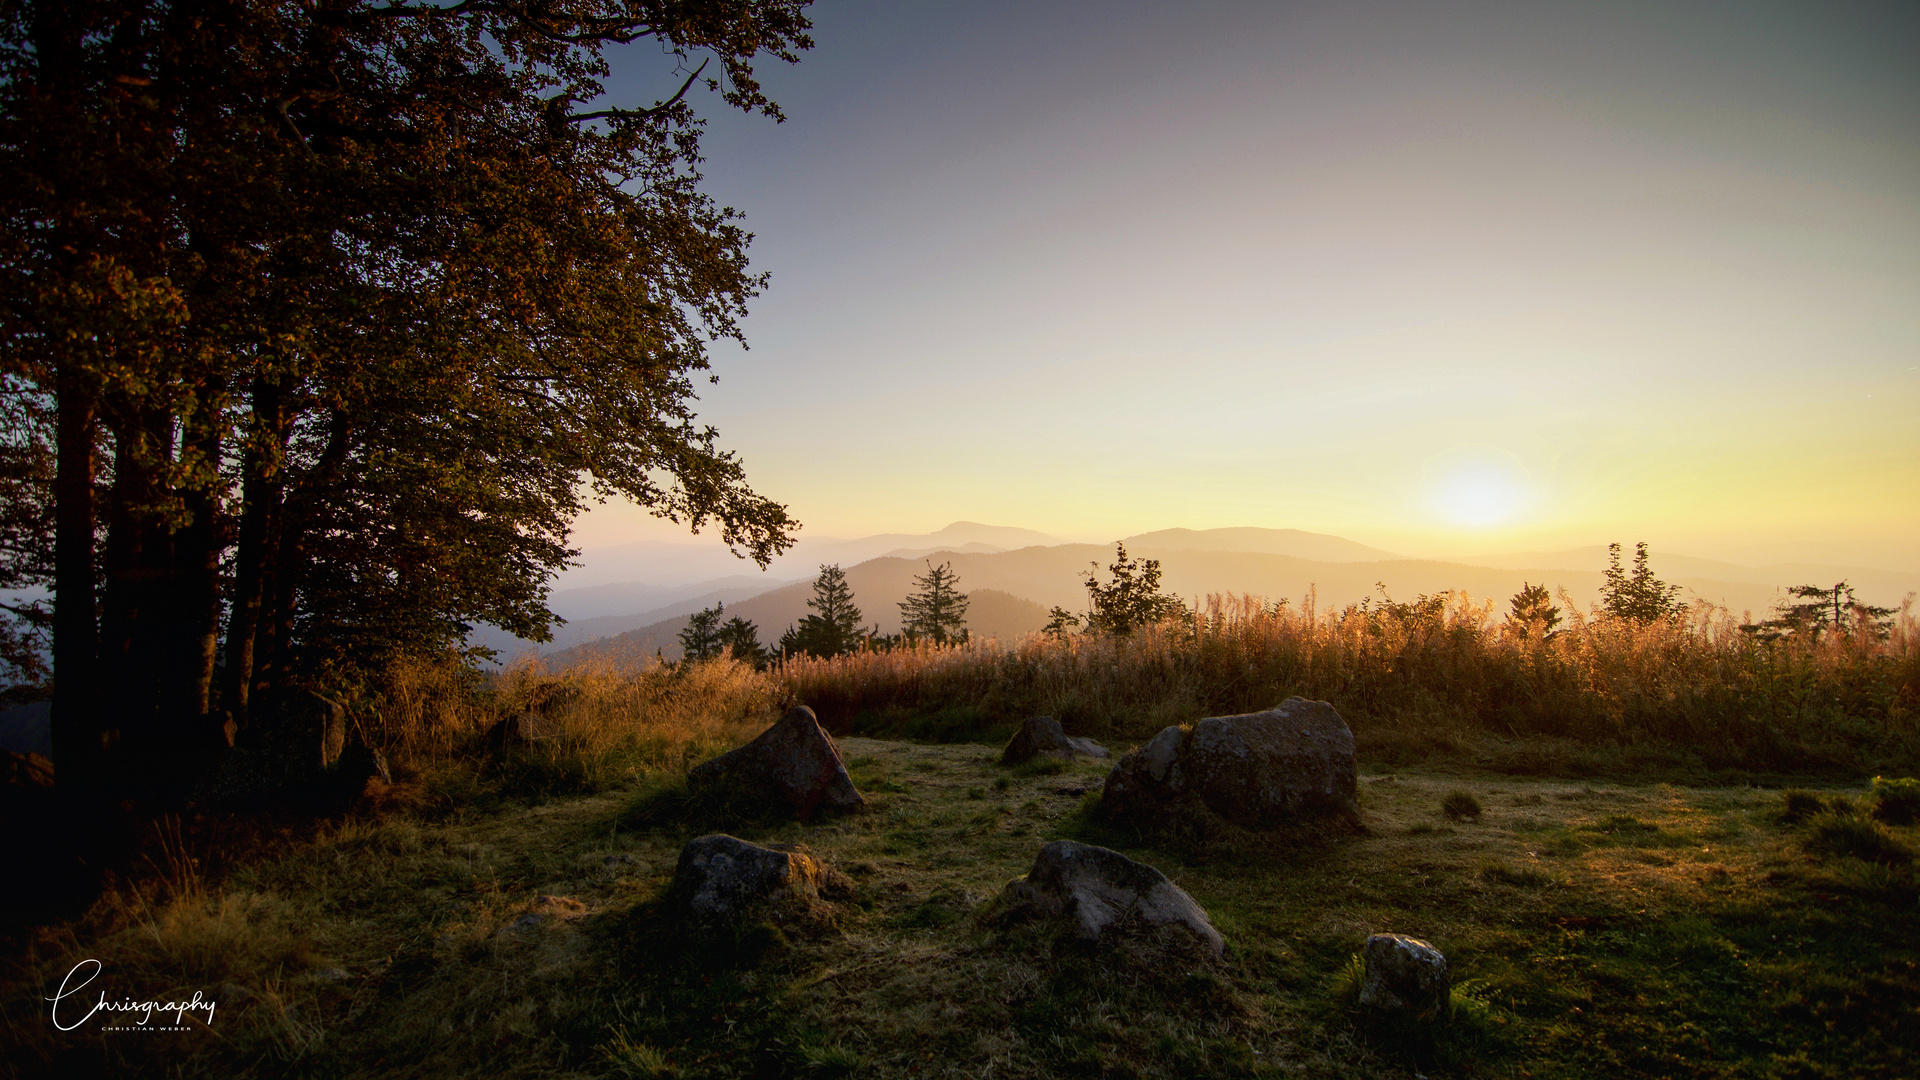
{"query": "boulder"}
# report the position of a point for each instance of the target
(1100, 893)
(1406, 977)
(295, 744)
(27, 770)
(722, 881)
(1256, 770)
(301, 731)
(794, 763)
(520, 730)
(1044, 735)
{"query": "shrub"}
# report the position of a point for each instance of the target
(1449, 667)
(1855, 836)
(1896, 801)
(1798, 804)
(1460, 806)
(1344, 986)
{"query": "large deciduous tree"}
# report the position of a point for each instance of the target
(319, 322)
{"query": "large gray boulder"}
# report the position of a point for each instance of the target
(1257, 770)
(1405, 977)
(295, 744)
(1043, 735)
(1100, 893)
(722, 881)
(794, 762)
(521, 729)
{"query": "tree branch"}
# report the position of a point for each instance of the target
(641, 114)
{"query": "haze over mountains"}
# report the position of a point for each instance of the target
(635, 598)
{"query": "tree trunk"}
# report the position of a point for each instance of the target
(141, 586)
(262, 490)
(197, 552)
(75, 723)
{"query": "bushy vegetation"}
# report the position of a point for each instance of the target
(1433, 674)
(602, 722)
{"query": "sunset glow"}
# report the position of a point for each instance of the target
(1659, 268)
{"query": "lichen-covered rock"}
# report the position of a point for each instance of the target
(794, 762)
(1405, 976)
(302, 732)
(1044, 735)
(1100, 893)
(1256, 770)
(1150, 776)
(520, 730)
(722, 881)
(295, 744)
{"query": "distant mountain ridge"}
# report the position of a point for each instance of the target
(1320, 547)
(658, 562)
(1015, 585)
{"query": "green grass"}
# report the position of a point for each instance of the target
(1593, 930)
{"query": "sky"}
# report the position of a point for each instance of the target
(1445, 279)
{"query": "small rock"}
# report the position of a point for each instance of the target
(525, 924)
(1044, 735)
(723, 880)
(794, 760)
(1405, 976)
(1100, 892)
(543, 910)
(560, 907)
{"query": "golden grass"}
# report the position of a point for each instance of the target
(601, 720)
(1402, 673)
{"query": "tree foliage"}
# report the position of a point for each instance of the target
(1639, 597)
(1531, 612)
(936, 610)
(1130, 600)
(1822, 610)
(330, 317)
(706, 637)
(834, 627)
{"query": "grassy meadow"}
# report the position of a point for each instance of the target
(1647, 852)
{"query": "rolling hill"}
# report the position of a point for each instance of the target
(1013, 589)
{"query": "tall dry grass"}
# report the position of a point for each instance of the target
(1411, 678)
(1404, 671)
(599, 719)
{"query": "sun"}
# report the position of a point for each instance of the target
(1478, 496)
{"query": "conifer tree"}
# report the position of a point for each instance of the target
(834, 627)
(1641, 597)
(741, 639)
(703, 638)
(1533, 605)
(1819, 610)
(937, 610)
